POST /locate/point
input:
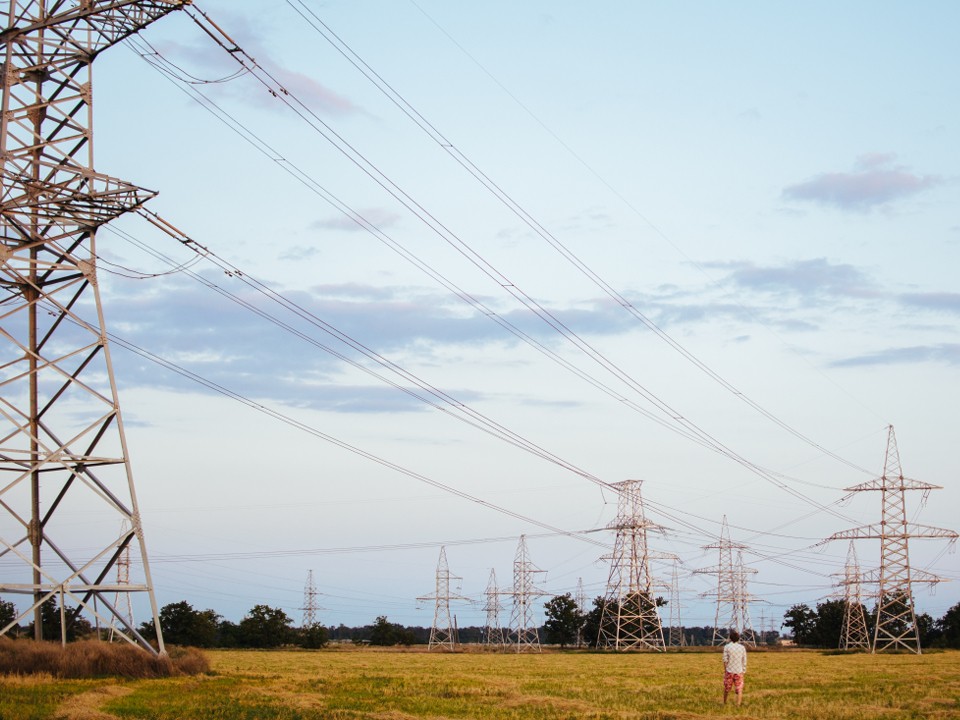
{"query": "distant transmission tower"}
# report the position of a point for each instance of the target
(443, 634)
(524, 594)
(747, 634)
(732, 597)
(581, 600)
(854, 633)
(63, 451)
(121, 599)
(675, 626)
(310, 606)
(896, 623)
(494, 634)
(629, 619)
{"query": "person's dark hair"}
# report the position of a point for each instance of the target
(734, 636)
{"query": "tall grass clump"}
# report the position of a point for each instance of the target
(93, 658)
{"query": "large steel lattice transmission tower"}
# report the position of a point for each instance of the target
(581, 600)
(854, 632)
(675, 626)
(310, 605)
(493, 633)
(524, 593)
(443, 634)
(895, 626)
(63, 455)
(629, 619)
(733, 598)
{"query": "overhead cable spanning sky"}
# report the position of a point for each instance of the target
(448, 273)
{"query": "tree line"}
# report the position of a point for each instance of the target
(823, 626)
(566, 625)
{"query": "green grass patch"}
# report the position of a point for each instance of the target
(361, 684)
(36, 697)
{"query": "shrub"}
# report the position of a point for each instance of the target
(93, 658)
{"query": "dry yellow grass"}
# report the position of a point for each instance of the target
(87, 705)
(341, 684)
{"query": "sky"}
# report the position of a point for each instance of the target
(742, 217)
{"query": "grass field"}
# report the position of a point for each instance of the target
(391, 685)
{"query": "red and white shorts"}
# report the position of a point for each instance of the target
(732, 681)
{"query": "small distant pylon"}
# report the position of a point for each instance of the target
(732, 596)
(494, 635)
(443, 634)
(524, 593)
(581, 600)
(629, 619)
(896, 623)
(121, 599)
(854, 633)
(310, 606)
(675, 626)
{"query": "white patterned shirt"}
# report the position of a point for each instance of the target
(735, 658)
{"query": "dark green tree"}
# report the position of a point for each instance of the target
(591, 622)
(265, 627)
(312, 637)
(828, 624)
(77, 626)
(802, 622)
(182, 625)
(564, 620)
(386, 633)
(340, 632)
(228, 634)
(928, 630)
(949, 627)
(8, 613)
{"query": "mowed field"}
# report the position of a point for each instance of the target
(396, 685)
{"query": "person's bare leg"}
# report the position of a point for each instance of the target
(739, 696)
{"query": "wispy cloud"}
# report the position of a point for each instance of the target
(380, 218)
(817, 277)
(937, 301)
(874, 182)
(210, 59)
(301, 364)
(945, 353)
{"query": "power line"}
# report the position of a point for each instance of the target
(361, 162)
(520, 212)
(633, 208)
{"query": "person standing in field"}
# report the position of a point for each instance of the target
(734, 667)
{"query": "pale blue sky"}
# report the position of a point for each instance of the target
(774, 185)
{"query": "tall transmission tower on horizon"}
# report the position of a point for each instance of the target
(581, 600)
(747, 634)
(732, 596)
(629, 619)
(443, 633)
(895, 626)
(121, 599)
(494, 634)
(64, 456)
(675, 624)
(854, 632)
(524, 592)
(310, 606)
